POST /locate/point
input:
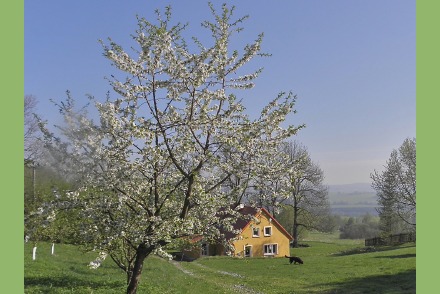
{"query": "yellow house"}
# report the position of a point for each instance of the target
(261, 235)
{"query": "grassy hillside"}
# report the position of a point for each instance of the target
(330, 266)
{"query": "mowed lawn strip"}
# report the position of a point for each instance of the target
(343, 267)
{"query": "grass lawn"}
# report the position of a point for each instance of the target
(330, 266)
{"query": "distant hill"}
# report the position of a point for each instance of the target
(351, 188)
(352, 199)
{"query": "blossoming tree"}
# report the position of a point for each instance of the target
(153, 169)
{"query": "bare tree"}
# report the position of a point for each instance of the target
(396, 188)
(308, 195)
(30, 129)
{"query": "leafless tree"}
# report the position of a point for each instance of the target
(396, 189)
(30, 129)
(308, 196)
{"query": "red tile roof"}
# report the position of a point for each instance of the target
(243, 223)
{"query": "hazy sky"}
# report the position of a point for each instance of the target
(351, 64)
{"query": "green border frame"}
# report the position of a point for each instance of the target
(428, 161)
(11, 124)
(11, 75)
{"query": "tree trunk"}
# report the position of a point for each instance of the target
(295, 227)
(141, 253)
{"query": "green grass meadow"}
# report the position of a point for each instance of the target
(330, 266)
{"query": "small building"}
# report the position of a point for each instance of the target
(261, 235)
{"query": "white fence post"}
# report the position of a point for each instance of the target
(53, 248)
(34, 253)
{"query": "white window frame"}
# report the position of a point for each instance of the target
(270, 246)
(265, 234)
(255, 235)
(206, 252)
(244, 251)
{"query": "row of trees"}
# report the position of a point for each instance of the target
(363, 227)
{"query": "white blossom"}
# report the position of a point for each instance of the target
(98, 261)
(155, 166)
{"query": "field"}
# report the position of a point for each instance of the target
(353, 203)
(330, 266)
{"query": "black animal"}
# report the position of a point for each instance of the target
(294, 259)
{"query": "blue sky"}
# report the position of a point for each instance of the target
(351, 64)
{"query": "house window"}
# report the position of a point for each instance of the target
(267, 231)
(270, 249)
(205, 247)
(248, 251)
(256, 232)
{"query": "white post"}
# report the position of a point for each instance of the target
(53, 248)
(34, 253)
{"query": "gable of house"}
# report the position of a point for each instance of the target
(262, 236)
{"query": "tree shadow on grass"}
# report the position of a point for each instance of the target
(398, 256)
(69, 282)
(403, 282)
(369, 249)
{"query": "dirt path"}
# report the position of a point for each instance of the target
(179, 267)
(236, 288)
